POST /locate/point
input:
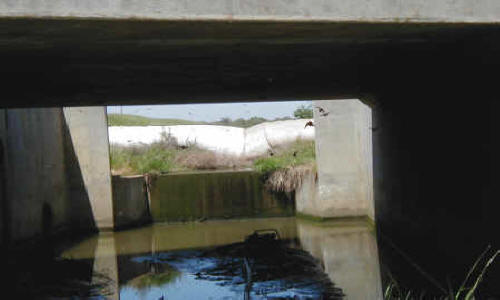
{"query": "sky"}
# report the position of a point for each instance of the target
(214, 111)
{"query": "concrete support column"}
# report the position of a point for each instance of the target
(89, 134)
(344, 160)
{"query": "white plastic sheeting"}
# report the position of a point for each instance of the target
(223, 139)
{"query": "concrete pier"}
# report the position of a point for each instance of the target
(89, 136)
(342, 186)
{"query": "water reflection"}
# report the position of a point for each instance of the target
(349, 254)
(105, 263)
(194, 261)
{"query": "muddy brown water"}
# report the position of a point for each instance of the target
(210, 260)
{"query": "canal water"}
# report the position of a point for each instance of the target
(267, 258)
(259, 258)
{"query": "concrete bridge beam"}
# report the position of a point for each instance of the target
(460, 11)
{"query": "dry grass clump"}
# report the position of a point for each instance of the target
(198, 159)
(284, 166)
(288, 179)
(166, 155)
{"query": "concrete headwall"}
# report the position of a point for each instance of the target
(250, 141)
(130, 201)
(343, 184)
(190, 196)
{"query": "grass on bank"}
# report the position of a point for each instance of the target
(157, 159)
(300, 152)
(134, 120)
(287, 165)
(467, 290)
(167, 156)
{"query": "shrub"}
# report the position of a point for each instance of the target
(300, 152)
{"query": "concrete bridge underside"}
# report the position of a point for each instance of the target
(428, 69)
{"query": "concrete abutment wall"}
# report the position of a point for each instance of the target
(54, 172)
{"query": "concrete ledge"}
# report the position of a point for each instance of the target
(340, 221)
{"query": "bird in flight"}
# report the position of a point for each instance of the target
(310, 123)
(322, 112)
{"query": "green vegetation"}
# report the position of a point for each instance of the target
(287, 165)
(300, 152)
(167, 156)
(466, 291)
(141, 160)
(149, 280)
(303, 112)
(134, 120)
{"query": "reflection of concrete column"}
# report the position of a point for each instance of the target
(349, 254)
(105, 265)
(89, 134)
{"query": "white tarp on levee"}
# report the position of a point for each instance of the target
(224, 139)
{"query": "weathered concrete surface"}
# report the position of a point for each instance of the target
(343, 185)
(88, 129)
(39, 200)
(46, 173)
(306, 195)
(130, 201)
(218, 194)
(334, 10)
(36, 184)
